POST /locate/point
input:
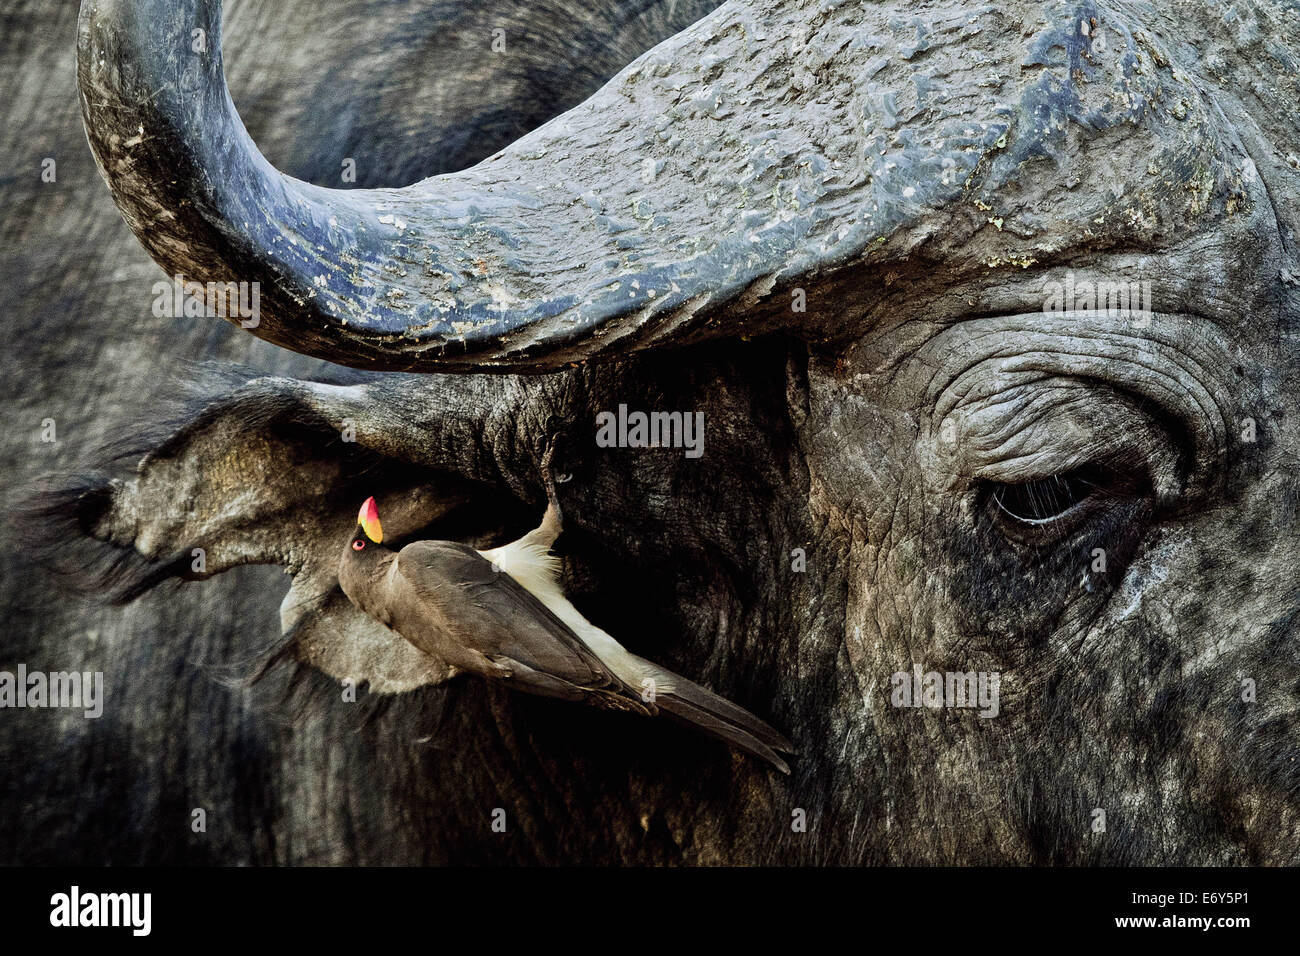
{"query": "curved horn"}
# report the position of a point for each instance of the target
(759, 145)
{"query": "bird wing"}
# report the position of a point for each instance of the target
(453, 588)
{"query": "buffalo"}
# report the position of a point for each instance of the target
(986, 315)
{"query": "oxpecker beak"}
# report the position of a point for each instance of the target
(369, 521)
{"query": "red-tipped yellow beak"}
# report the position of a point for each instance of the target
(369, 521)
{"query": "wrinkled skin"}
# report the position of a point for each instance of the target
(876, 446)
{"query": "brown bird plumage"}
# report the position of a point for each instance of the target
(501, 614)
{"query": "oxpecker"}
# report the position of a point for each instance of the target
(502, 614)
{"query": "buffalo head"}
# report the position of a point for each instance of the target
(989, 312)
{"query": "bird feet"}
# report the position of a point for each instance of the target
(550, 480)
(548, 460)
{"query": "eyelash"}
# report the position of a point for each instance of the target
(1054, 506)
(1043, 500)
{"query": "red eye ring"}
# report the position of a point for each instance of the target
(358, 545)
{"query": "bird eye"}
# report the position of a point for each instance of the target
(358, 545)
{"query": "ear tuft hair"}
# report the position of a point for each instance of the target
(57, 525)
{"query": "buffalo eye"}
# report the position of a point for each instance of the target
(1054, 506)
(358, 545)
(1044, 499)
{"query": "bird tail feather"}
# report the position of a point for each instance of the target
(719, 717)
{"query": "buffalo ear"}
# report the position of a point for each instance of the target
(259, 471)
(329, 632)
